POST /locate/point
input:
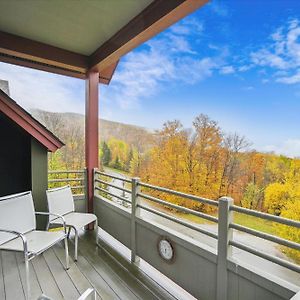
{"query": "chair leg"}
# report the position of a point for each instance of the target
(67, 253)
(76, 244)
(69, 231)
(96, 230)
(27, 277)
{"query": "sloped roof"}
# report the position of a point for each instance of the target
(21, 117)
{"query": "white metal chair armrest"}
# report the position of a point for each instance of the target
(88, 293)
(19, 235)
(55, 215)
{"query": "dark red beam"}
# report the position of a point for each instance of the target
(30, 50)
(91, 132)
(159, 15)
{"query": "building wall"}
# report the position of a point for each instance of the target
(23, 165)
(39, 179)
(15, 158)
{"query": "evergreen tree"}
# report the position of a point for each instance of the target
(117, 164)
(129, 159)
(106, 154)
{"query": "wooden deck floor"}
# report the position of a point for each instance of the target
(96, 267)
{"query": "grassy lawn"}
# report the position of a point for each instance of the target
(238, 218)
(116, 171)
(241, 219)
(254, 223)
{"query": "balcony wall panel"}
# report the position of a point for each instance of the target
(195, 265)
(114, 220)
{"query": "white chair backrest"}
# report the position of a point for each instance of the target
(60, 201)
(17, 214)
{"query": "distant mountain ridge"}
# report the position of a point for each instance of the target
(136, 136)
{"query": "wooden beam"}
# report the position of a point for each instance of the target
(40, 66)
(158, 16)
(26, 49)
(104, 78)
(91, 132)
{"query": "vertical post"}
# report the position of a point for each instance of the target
(225, 234)
(91, 132)
(135, 189)
(85, 190)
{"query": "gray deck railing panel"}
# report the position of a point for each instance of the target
(224, 236)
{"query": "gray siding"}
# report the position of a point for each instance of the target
(39, 170)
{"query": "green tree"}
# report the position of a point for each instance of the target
(129, 159)
(106, 154)
(117, 164)
(252, 196)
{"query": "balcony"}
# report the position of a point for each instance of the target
(127, 265)
(146, 251)
(99, 268)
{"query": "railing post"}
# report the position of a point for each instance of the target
(135, 189)
(85, 191)
(94, 180)
(225, 234)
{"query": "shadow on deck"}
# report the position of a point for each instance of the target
(96, 267)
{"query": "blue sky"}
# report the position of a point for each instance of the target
(237, 61)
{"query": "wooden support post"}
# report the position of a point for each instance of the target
(91, 132)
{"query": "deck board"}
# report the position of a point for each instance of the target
(79, 280)
(12, 281)
(107, 273)
(64, 282)
(46, 280)
(35, 287)
(94, 268)
(2, 291)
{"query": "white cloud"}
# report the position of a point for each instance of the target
(265, 57)
(170, 57)
(245, 68)
(187, 26)
(290, 79)
(227, 70)
(37, 89)
(219, 8)
(282, 53)
(290, 148)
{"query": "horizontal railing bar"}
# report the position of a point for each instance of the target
(180, 208)
(265, 216)
(271, 258)
(111, 194)
(114, 186)
(112, 176)
(180, 194)
(65, 179)
(66, 171)
(166, 216)
(77, 187)
(266, 236)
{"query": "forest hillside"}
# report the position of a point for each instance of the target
(203, 160)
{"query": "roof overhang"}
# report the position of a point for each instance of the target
(29, 124)
(73, 37)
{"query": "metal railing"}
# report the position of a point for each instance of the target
(75, 178)
(224, 220)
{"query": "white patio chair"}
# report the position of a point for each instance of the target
(18, 230)
(61, 202)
